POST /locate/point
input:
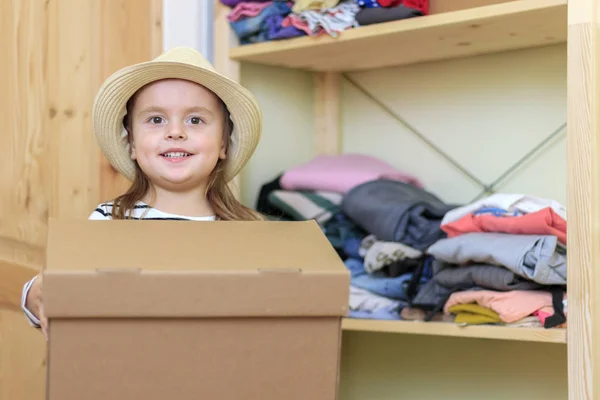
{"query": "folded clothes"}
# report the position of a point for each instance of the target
(256, 29)
(516, 204)
(378, 283)
(379, 314)
(511, 306)
(473, 314)
(543, 222)
(527, 322)
(340, 173)
(332, 20)
(396, 211)
(318, 5)
(300, 24)
(449, 278)
(341, 232)
(277, 31)
(247, 9)
(378, 254)
(479, 275)
(420, 5)
(534, 257)
(304, 205)
(233, 3)
(374, 15)
(363, 300)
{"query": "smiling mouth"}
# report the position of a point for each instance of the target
(175, 154)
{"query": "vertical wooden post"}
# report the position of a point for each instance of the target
(224, 39)
(327, 113)
(583, 202)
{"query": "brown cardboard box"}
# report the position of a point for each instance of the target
(193, 310)
(442, 6)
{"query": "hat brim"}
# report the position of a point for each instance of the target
(111, 100)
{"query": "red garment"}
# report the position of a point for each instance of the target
(421, 5)
(542, 222)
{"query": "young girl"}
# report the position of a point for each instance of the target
(180, 132)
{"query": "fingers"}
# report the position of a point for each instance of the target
(44, 323)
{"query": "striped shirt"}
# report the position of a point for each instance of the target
(104, 212)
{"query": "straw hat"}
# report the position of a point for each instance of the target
(184, 63)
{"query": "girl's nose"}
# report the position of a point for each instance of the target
(176, 133)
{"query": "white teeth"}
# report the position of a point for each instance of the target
(175, 154)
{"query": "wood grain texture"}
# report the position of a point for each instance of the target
(128, 32)
(583, 201)
(482, 30)
(55, 56)
(22, 359)
(327, 109)
(70, 95)
(25, 189)
(24, 181)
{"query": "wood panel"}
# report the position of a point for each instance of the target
(583, 199)
(128, 32)
(328, 128)
(25, 188)
(55, 56)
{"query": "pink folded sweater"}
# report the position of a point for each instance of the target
(340, 173)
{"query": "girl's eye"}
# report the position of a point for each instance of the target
(195, 120)
(156, 120)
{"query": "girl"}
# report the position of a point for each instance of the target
(180, 132)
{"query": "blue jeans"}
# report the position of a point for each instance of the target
(378, 282)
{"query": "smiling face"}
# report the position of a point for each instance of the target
(176, 133)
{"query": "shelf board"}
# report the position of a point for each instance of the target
(543, 335)
(495, 28)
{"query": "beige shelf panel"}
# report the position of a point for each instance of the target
(450, 329)
(495, 28)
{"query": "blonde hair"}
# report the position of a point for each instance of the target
(218, 194)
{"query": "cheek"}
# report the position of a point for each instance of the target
(209, 143)
(145, 144)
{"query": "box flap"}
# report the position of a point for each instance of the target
(184, 268)
(76, 245)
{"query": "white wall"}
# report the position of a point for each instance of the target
(486, 112)
(188, 23)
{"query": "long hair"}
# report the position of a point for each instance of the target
(218, 194)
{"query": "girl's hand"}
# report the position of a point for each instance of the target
(35, 305)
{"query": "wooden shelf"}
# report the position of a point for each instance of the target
(489, 29)
(450, 329)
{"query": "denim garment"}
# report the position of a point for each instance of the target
(377, 282)
(247, 28)
(339, 229)
(379, 314)
(352, 247)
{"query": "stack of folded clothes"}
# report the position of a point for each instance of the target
(255, 21)
(505, 254)
(378, 218)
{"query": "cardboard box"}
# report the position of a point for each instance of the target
(193, 310)
(443, 6)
